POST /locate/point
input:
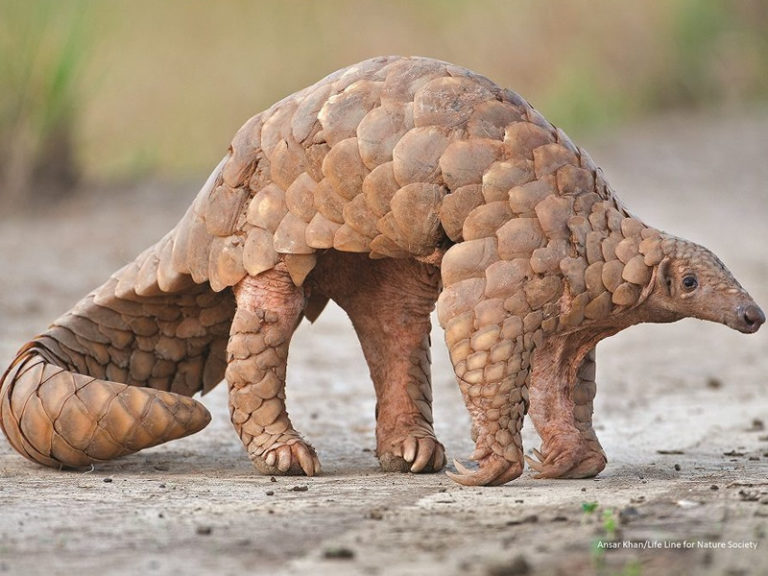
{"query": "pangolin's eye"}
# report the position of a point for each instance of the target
(690, 283)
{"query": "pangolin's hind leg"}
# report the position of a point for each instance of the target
(394, 334)
(562, 414)
(399, 360)
(268, 308)
(389, 302)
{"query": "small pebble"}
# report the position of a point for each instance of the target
(204, 530)
(270, 492)
(677, 467)
(517, 567)
(530, 519)
(714, 383)
(107, 480)
(302, 488)
(340, 553)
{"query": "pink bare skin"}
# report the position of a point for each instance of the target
(562, 414)
(389, 302)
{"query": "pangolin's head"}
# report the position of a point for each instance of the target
(690, 281)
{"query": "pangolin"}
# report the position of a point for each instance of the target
(388, 186)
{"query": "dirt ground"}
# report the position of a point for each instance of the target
(681, 412)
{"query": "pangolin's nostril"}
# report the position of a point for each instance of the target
(752, 315)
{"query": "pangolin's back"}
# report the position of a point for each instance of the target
(393, 156)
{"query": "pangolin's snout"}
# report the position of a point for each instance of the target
(750, 318)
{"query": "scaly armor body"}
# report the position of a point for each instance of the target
(383, 186)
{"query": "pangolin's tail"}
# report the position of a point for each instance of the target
(116, 374)
(61, 418)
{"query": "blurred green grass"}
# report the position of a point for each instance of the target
(142, 88)
(41, 53)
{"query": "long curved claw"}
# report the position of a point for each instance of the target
(494, 472)
(546, 466)
(461, 468)
(576, 465)
(589, 467)
(429, 456)
(307, 460)
(535, 465)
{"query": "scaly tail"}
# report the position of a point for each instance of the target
(60, 418)
(117, 372)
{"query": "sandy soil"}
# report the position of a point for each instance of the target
(681, 412)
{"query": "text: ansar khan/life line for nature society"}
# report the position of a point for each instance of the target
(677, 545)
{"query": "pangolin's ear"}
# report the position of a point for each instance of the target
(663, 279)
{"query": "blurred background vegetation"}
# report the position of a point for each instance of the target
(104, 92)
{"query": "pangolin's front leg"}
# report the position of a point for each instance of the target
(491, 358)
(268, 308)
(562, 412)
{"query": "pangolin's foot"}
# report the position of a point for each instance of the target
(415, 451)
(568, 457)
(492, 470)
(293, 457)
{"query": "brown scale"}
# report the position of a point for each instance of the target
(388, 186)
